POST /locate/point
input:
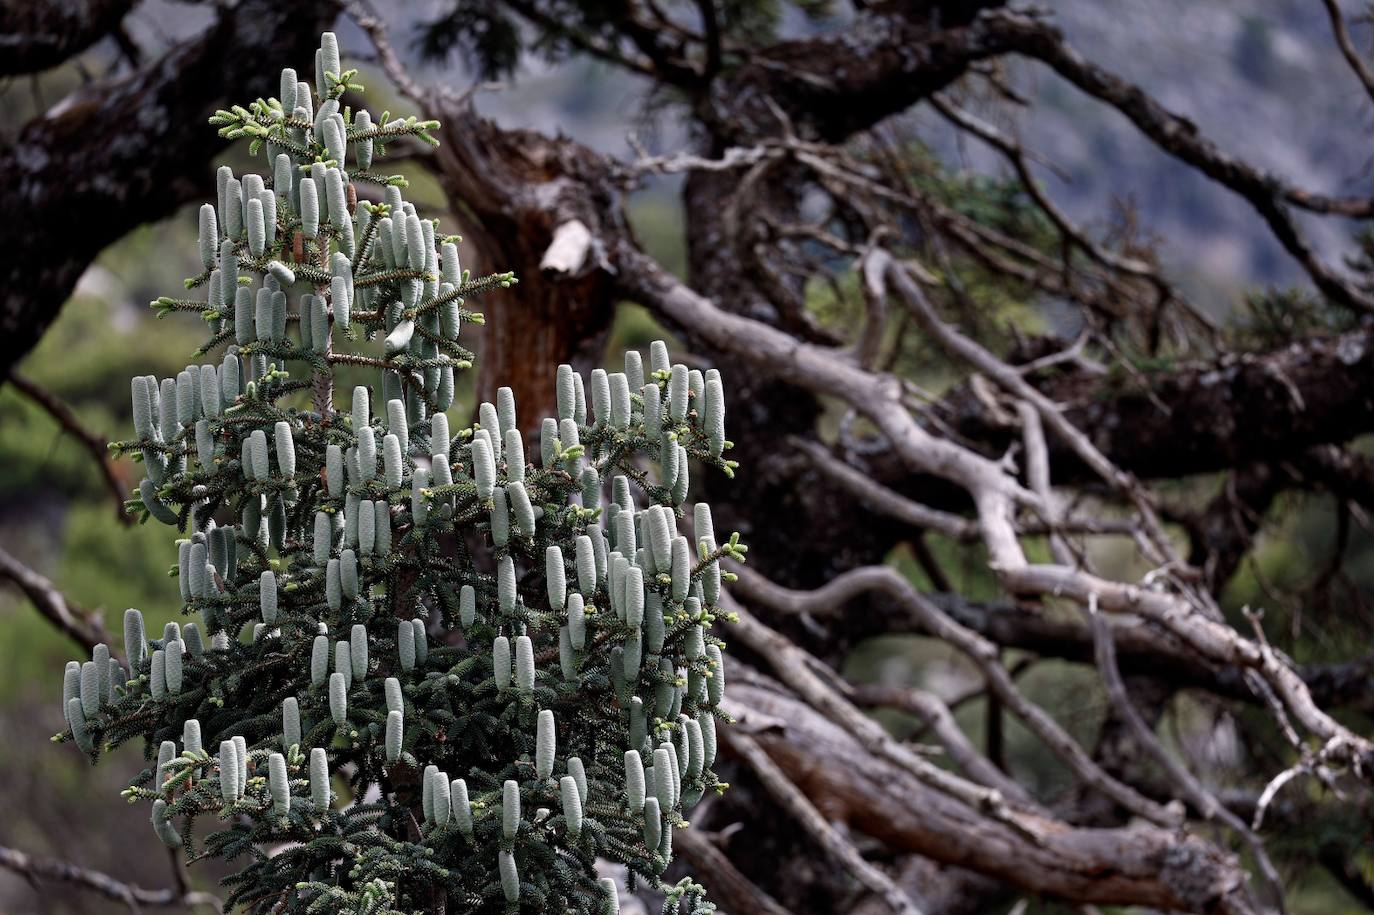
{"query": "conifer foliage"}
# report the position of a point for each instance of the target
(423, 673)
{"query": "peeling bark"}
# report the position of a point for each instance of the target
(1133, 865)
(516, 190)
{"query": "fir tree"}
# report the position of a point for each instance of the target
(425, 673)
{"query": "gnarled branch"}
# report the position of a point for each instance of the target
(135, 897)
(95, 444)
(86, 628)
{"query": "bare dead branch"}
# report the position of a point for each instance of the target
(135, 897)
(96, 445)
(986, 363)
(724, 880)
(1210, 637)
(981, 652)
(1347, 46)
(804, 812)
(797, 669)
(879, 498)
(1202, 800)
(1180, 138)
(936, 716)
(1093, 866)
(86, 628)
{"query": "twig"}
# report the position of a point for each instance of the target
(1311, 763)
(96, 444)
(372, 24)
(1347, 46)
(1016, 155)
(936, 715)
(1202, 800)
(1181, 139)
(84, 627)
(1038, 475)
(733, 158)
(889, 502)
(131, 895)
(984, 654)
(727, 884)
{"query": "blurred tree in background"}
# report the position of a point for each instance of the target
(937, 365)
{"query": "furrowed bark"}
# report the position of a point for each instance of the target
(37, 36)
(128, 150)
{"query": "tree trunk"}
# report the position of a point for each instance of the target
(129, 150)
(515, 189)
